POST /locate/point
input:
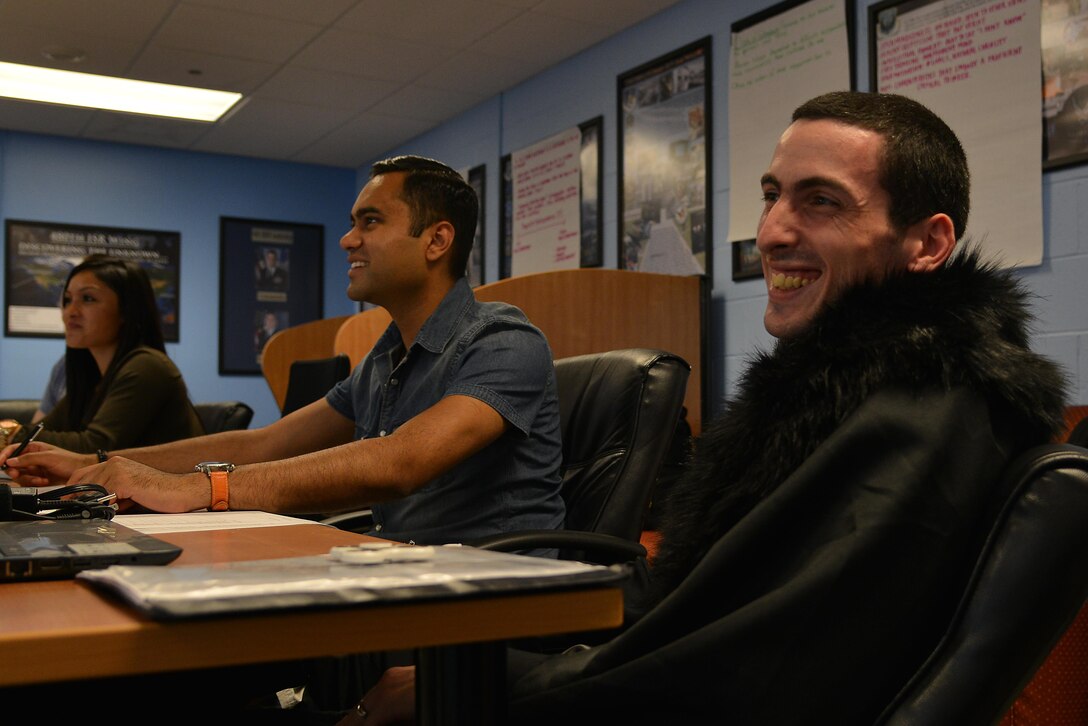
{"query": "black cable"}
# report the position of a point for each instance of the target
(78, 501)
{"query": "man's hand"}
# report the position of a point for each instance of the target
(43, 464)
(392, 701)
(137, 484)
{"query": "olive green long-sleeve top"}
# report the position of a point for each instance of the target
(146, 403)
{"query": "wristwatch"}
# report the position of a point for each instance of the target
(217, 472)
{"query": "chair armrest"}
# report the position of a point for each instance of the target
(358, 521)
(604, 549)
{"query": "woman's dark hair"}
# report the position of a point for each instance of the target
(140, 326)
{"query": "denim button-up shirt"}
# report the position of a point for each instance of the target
(488, 351)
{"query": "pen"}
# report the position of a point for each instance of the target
(26, 442)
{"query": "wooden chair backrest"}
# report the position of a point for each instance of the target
(299, 342)
(587, 311)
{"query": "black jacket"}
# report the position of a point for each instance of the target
(818, 542)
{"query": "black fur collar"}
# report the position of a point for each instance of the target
(966, 324)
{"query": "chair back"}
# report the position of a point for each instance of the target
(1027, 586)
(224, 415)
(20, 409)
(310, 380)
(1079, 434)
(618, 411)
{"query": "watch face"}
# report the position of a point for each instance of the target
(206, 466)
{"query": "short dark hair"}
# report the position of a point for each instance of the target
(434, 192)
(141, 325)
(923, 167)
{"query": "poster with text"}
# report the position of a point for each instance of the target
(778, 59)
(664, 170)
(547, 209)
(39, 256)
(975, 63)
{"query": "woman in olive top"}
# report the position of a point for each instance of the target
(123, 390)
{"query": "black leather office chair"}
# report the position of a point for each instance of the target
(1028, 585)
(618, 411)
(20, 409)
(1079, 434)
(310, 380)
(224, 415)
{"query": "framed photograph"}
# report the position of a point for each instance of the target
(39, 256)
(747, 263)
(592, 192)
(1065, 83)
(477, 179)
(664, 164)
(270, 277)
(506, 217)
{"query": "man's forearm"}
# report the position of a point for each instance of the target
(239, 447)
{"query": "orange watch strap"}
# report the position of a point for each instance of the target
(220, 492)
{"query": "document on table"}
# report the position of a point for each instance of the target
(205, 521)
(336, 579)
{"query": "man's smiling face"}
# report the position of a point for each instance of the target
(825, 224)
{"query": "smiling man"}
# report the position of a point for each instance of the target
(448, 429)
(818, 542)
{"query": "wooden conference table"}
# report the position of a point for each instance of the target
(54, 631)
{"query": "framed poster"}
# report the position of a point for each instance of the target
(39, 256)
(592, 192)
(1065, 83)
(778, 58)
(270, 277)
(664, 164)
(943, 52)
(506, 214)
(477, 179)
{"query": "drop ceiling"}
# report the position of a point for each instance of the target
(333, 82)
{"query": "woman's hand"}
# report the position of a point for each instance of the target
(43, 464)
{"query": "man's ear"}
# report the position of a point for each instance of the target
(440, 241)
(930, 242)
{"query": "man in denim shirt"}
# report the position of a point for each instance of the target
(449, 429)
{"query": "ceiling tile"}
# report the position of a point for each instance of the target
(362, 140)
(234, 34)
(326, 88)
(104, 55)
(478, 73)
(604, 12)
(328, 81)
(44, 118)
(446, 24)
(320, 12)
(147, 130)
(373, 56)
(271, 129)
(116, 19)
(427, 104)
(543, 40)
(170, 65)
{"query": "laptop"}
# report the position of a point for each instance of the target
(51, 549)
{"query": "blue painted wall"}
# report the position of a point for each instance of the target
(50, 179)
(585, 86)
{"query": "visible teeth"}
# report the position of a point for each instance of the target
(781, 281)
(357, 264)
